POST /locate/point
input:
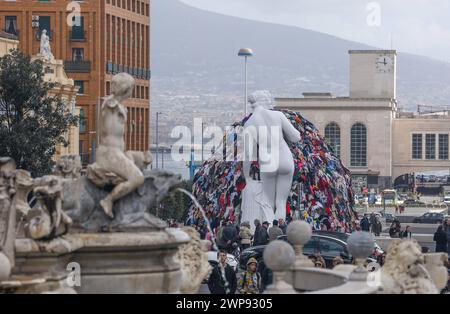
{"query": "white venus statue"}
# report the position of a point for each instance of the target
(45, 50)
(269, 129)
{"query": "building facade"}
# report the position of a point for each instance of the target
(7, 42)
(67, 91)
(374, 139)
(108, 37)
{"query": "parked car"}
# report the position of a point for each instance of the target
(389, 218)
(429, 218)
(413, 202)
(326, 244)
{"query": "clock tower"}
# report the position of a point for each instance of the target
(373, 73)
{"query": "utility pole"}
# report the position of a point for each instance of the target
(157, 139)
(203, 157)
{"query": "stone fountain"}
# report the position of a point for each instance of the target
(95, 233)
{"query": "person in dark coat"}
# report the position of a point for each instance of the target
(407, 233)
(440, 237)
(266, 275)
(447, 231)
(257, 229)
(229, 236)
(223, 277)
(365, 224)
(282, 224)
(262, 237)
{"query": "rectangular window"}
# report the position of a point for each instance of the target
(417, 146)
(78, 30)
(77, 54)
(443, 146)
(82, 121)
(80, 84)
(430, 146)
(45, 23)
(11, 25)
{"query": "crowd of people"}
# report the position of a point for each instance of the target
(230, 237)
(256, 277)
(223, 279)
(372, 224)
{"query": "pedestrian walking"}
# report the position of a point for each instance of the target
(395, 229)
(229, 237)
(261, 236)
(282, 224)
(275, 231)
(365, 224)
(377, 227)
(440, 237)
(246, 235)
(250, 280)
(223, 278)
(266, 276)
(257, 224)
(447, 231)
(407, 233)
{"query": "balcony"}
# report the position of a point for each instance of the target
(77, 66)
(78, 36)
(140, 73)
(37, 34)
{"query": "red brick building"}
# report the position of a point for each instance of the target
(111, 36)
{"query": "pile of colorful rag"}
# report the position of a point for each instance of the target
(321, 191)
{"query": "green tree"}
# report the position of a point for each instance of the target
(175, 205)
(32, 123)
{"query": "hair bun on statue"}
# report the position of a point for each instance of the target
(261, 98)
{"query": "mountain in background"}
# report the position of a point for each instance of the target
(195, 66)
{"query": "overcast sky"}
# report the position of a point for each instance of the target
(416, 26)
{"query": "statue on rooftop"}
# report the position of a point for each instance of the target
(45, 50)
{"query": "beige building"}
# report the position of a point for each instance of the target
(375, 140)
(7, 42)
(67, 90)
(64, 87)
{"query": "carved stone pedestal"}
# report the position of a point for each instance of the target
(141, 262)
(130, 262)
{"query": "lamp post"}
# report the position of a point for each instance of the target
(157, 137)
(245, 52)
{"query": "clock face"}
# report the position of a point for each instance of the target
(385, 64)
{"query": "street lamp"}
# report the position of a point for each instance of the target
(245, 52)
(157, 137)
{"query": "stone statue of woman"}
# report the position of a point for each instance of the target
(45, 49)
(270, 130)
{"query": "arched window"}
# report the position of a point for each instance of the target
(358, 153)
(333, 137)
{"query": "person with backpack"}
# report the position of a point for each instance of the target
(250, 280)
